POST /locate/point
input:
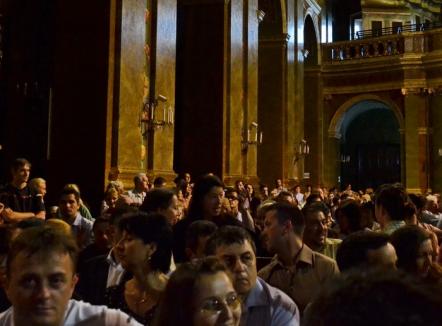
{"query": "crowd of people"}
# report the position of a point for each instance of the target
(198, 252)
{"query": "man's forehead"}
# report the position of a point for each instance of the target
(234, 249)
(316, 215)
(57, 261)
(68, 197)
(271, 214)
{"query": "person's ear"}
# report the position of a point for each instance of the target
(75, 279)
(189, 253)
(287, 227)
(151, 248)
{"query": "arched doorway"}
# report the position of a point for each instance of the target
(370, 145)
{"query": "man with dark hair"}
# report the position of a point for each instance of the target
(376, 297)
(285, 196)
(159, 182)
(69, 206)
(366, 249)
(390, 202)
(100, 245)
(101, 272)
(296, 269)
(262, 303)
(316, 230)
(20, 203)
(197, 235)
(349, 217)
(40, 282)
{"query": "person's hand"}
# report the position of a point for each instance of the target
(7, 214)
(2, 207)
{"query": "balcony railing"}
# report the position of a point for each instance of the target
(369, 33)
(405, 41)
(369, 48)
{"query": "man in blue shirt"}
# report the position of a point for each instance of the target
(262, 303)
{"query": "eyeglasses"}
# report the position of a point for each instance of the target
(216, 305)
(233, 198)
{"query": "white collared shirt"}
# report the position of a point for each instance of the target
(79, 312)
(115, 272)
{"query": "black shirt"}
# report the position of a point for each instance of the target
(21, 200)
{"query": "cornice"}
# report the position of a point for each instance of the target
(202, 2)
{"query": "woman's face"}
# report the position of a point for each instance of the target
(132, 251)
(212, 202)
(424, 258)
(172, 213)
(217, 302)
(111, 199)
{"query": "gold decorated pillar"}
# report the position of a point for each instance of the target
(141, 71)
(272, 107)
(161, 18)
(436, 141)
(416, 142)
(242, 130)
(126, 82)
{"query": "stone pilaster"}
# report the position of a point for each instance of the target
(160, 145)
(129, 85)
(436, 142)
(416, 142)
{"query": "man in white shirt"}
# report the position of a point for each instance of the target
(141, 186)
(81, 227)
(40, 282)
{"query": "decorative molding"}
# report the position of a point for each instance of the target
(417, 91)
(260, 15)
(334, 134)
(423, 131)
(314, 6)
(203, 2)
(328, 97)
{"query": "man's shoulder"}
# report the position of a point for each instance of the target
(264, 272)
(325, 266)
(100, 261)
(283, 309)
(321, 259)
(79, 312)
(276, 296)
(86, 222)
(6, 317)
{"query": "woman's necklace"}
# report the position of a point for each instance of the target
(140, 299)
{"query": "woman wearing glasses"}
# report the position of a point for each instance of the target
(199, 294)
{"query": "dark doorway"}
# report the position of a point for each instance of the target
(378, 164)
(370, 146)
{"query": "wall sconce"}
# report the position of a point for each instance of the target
(345, 159)
(439, 151)
(305, 53)
(153, 118)
(251, 136)
(302, 151)
(260, 14)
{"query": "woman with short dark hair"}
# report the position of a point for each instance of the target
(145, 251)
